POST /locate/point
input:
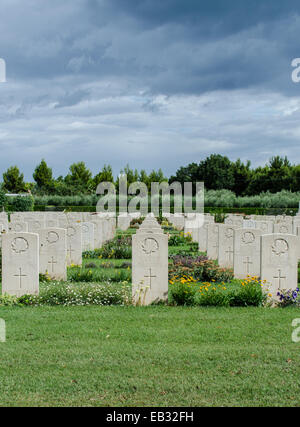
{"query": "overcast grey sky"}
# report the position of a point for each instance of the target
(152, 83)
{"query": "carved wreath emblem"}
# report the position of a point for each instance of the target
(280, 247)
(150, 246)
(19, 245)
(52, 237)
(248, 238)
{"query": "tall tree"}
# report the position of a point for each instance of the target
(217, 173)
(105, 175)
(13, 180)
(43, 175)
(242, 176)
(79, 177)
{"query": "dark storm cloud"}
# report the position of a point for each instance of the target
(183, 77)
(171, 46)
(193, 46)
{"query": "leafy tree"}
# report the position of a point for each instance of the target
(156, 176)
(295, 178)
(188, 173)
(43, 176)
(13, 180)
(105, 175)
(258, 182)
(242, 175)
(143, 177)
(217, 173)
(279, 174)
(79, 177)
(132, 176)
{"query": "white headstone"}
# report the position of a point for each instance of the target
(20, 264)
(149, 266)
(124, 221)
(88, 236)
(249, 223)
(177, 220)
(247, 253)
(74, 244)
(98, 231)
(283, 228)
(35, 225)
(265, 226)
(279, 262)
(226, 246)
(51, 223)
(212, 241)
(18, 227)
(53, 252)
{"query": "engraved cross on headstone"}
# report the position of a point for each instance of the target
(150, 277)
(52, 262)
(70, 250)
(279, 278)
(248, 262)
(20, 275)
(230, 253)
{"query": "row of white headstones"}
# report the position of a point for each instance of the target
(266, 247)
(252, 247)
(47, 243)
(50, 249)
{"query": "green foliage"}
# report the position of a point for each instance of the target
(9, 300)
(13, 180)
(21, 203)
(118, 248)
(79, 177)
(198, 268)
(3, 200)
(43, 177)
(179, 239)
(218, 172)
(234, 294)
(73, 294)
(105, 175)
(98, 275)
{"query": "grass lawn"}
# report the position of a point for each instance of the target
(149, 356)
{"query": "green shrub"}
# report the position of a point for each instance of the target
(73, 294)
(21, 203)
(179, 239)
(236, 293)
(200, 268)
(9, 300)
(3, 200)
(78, 274)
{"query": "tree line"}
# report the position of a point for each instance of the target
(218, 172)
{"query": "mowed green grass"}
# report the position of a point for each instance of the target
(149, 356)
